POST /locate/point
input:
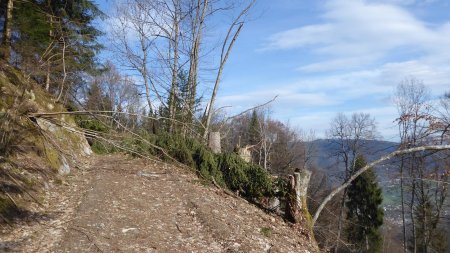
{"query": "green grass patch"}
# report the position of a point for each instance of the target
(266, 231)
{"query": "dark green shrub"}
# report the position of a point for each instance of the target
(86, 122)
(233, 169)
(207, 165)
(182, 154)
(259, 182)
(228, 170)
(250, 179)
(100, 147)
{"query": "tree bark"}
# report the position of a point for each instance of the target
(174, 86)
(64, 69)
(223, 59)
(197, 28)
(209, 110)
(47, 77)
(296, 199)
(413, 223)
(214, 142)
(405, 247)
(6, 43)
(144, 73)
(341, 217)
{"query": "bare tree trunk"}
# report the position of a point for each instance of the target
(209, 110)
(146, 81)
(223, 59)
(413, 223)
(64, 69)
(47, 77)
(265, 153)
(6, 43)
(174, 86)
(348, 172)
(341, 217)
(214, 142)
(405, 247)
(197, 29)
(296, 199)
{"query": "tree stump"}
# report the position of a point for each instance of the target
(296, 207)
(214, 142)
(245, 154)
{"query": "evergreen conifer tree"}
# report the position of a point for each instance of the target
(253, 130)
(55, 41)
(364, 211)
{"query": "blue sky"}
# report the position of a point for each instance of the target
(324, 57)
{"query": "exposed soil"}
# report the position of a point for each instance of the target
(120, 204)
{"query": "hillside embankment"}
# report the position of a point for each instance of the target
(121, 204)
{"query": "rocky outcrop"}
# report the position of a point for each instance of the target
(36, 149)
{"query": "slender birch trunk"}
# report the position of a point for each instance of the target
(6, 43)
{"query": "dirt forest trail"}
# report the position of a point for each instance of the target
(120, 204)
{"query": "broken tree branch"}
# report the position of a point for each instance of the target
(371, 165)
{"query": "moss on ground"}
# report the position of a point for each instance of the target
(53, 158)
(266, 231)
(30, 146)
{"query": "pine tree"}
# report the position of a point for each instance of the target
(180, 101)
(55, 41)
(254, 136)
(364, 212)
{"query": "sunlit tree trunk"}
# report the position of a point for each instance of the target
(6, 43)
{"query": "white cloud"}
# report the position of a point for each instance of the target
(407, 2)
(312, 102)
(320, 121)
(358, 33)
(354, 58)
(287, 96)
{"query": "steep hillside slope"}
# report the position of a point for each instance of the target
(120, 204)
(34, 150)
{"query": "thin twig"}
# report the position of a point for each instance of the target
(88, 237)
(251, 109)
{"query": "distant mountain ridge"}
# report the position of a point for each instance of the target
(374, 149)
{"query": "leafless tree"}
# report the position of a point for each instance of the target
(429, 190)
(411, 100)
(230, 39)
(441, 121)
(196, 18)
(121, 91)
(349, 136)
(372, 165)
(134, 38)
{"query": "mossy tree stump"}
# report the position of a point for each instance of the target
(296, 208)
